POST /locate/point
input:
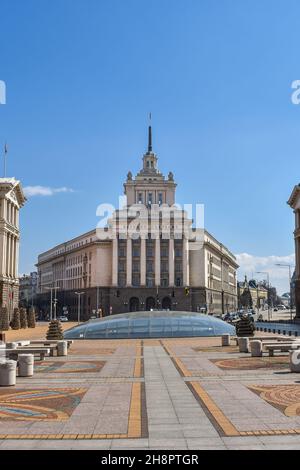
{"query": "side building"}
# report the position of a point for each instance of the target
(294, 203)
(155, 260)
(11, 200)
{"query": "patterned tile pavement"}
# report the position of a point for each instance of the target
(169, 393)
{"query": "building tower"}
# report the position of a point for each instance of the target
(11, 200)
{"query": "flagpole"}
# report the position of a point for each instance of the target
(4, 162)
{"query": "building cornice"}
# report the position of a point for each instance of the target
(294, 196)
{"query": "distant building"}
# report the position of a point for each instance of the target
(119, 272)
(11, 200)
(285, 299)
(258, 294)
(294, 203)
(28, 289)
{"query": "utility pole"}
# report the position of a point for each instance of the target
(79, 295)
(290, 281)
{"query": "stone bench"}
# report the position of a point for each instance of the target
(14, 353)
(282, 347)
(48, 342)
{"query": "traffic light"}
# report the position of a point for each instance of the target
(187, 290)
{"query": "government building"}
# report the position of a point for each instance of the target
(294, 203)
(148, 256)
(11, 200)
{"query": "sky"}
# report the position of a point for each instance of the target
(81, 78)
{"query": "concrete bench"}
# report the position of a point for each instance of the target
(282, 347)
(48, 342)
(14, 353)
(267, 338)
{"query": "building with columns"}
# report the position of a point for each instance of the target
(294, 203)
(148, 256)
(11, 200)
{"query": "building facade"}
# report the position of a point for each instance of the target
(11, 200)
(257, 294)
(27, 290)
(148, 256)
(294, 203)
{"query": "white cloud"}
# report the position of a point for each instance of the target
(279, 276)
(30, 191)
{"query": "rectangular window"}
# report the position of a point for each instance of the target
(136, 280)
(135, 267)
(121, 266)
(149, 266)
(149, 282)
(164, 266)
(136, 251)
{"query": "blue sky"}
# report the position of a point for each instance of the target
(82, 76)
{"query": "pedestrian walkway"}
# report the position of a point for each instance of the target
(153, 394)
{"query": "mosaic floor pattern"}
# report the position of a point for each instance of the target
(286, 398)
(40, 404)
(220, 349)
(252, 363)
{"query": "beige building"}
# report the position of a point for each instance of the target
(294, 203)
(148, 256)
(11, 200)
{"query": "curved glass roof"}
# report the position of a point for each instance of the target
(153, 324)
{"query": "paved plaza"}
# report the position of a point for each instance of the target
(153, 394)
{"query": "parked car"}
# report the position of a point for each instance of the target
(63, 318)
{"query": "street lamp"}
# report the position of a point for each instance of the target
(290, 281)
(268, 280)
(53, 301)
(79, 295)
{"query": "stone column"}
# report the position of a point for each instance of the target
(143, 262)
(2, 254)
(17, 259)
(157, 261)
(17, 217)
(171, 262)
(185, 262)
(115, 262)
(129, 262)
(12, 258)
(297, 260)
(8, 254)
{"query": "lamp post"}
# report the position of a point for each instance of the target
(290, 281)
(79, 295)
(268, 280)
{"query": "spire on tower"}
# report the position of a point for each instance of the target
(149, 139)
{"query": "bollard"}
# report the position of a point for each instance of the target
(256, 348)
(62, 348)
(244, 344)
(8, 371)
(226, 340)
(295, 361)
(25, 362)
